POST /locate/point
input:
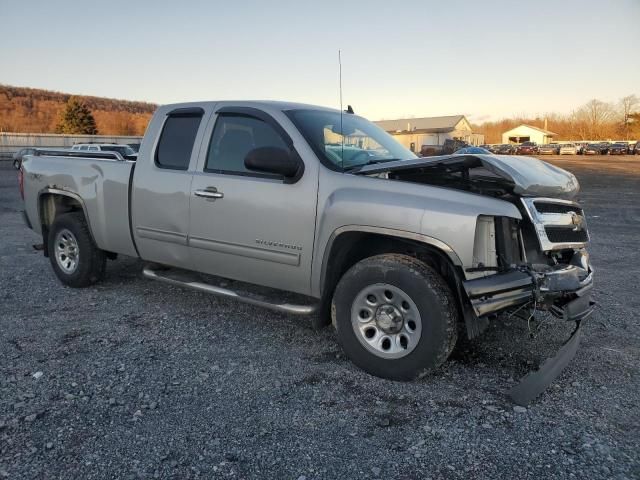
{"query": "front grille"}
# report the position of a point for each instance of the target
(544, 207)
(559, 224)
(566, 235)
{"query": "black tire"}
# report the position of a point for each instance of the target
(91, 261)
(432, 297)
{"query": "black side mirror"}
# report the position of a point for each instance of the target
(274, 160)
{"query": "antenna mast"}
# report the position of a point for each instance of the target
(341, 110)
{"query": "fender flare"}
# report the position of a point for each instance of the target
(390, 232)
(64, 193)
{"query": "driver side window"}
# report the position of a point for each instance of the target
(234, 136)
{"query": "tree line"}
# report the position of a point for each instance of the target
(595, 120)
(30, 110)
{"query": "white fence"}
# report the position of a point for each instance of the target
(12, 142)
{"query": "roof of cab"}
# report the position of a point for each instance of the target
(260, 104)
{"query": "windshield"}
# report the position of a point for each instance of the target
(359, 141)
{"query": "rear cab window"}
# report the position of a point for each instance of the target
(177, 138)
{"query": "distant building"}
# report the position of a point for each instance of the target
(528, 133)
(414, 133)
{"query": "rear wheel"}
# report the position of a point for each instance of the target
(396, 317)
(75, 258)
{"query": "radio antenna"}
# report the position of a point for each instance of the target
(341, 110)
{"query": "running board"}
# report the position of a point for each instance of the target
(165, 275)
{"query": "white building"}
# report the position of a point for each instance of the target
(528, 133)
(414, 133)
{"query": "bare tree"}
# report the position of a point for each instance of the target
(628, 106)
(593, 120)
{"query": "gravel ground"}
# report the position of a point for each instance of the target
(136, 379)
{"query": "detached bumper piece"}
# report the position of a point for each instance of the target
(25, 219)
(565, 291)
(534, 383)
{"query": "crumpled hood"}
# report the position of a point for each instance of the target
(529, 176)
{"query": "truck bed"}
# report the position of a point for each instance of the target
(102, 184)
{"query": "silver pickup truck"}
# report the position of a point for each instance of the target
(310, 210)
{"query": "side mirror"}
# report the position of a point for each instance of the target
(274, 160)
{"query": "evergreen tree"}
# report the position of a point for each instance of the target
(76, 119)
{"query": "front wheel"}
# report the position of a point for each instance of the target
(75, 258)
(396, 317)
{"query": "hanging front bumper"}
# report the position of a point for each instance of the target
(565, 291)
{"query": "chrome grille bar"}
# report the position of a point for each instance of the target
(559, 224)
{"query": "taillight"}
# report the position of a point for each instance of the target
(21, 182)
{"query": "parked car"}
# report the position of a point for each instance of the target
(580, 146)
(17, 157)
(124, 150)
(448, 147)
(604, 148)
(568, 149)
(527, 148)
(491, 148)
(472, 150)
(636, 148)
(549, 149)
(593, 149)
(619, 149)
(505, 149)
(398, 250)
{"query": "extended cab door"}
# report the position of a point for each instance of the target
(162, 184)
(246, 225)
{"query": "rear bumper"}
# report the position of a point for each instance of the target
(565, 291)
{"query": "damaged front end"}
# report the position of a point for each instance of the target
(520, 266)
(550, 269)
(550, 272)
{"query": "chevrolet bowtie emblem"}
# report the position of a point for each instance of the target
(577, 221)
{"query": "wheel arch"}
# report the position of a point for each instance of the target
(341, 253)
(53, 202)
(348, 245)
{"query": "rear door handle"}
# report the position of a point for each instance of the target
(209, 192)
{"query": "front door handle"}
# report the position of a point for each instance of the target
(209, 192)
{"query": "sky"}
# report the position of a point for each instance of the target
(486, 59)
